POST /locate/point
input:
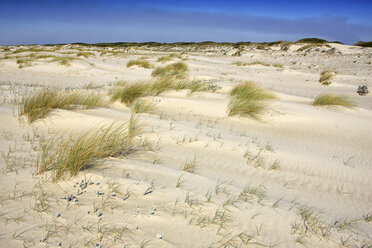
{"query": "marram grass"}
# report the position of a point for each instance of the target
(128, 93)
(248, 100)
(177, 70)
(326, 76)
(39, 105)
(139, 62)
(330, 99)
(67, 156)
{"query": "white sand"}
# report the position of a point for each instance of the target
(324, 155)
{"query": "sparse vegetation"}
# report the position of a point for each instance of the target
(330, 99)
(139, 62)
(142, 106)
(40, 104)
(85, 54)
(240, 63)
(247, 99)
(169, 57)
(63, 60)
(177, 70)
(128, 93)
(326, 77)
(67, 157)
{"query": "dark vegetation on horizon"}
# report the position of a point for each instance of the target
(204, 43)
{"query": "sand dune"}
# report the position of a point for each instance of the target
(300, 176)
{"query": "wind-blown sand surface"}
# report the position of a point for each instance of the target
(300, 177)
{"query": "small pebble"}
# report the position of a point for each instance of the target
(97, 183)
(113, 194)
(159, 236)
(58, 215)
(100, 193)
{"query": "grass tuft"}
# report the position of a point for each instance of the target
(330, 99)
(326, 77)
(128, 93)
(41, 103)
(177, 70)
(247, 100)
(67, 157)
(139, 62)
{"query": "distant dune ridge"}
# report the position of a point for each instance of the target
(186, 144)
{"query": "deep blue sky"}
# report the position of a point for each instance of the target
(65, 21)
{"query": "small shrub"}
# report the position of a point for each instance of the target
(363, 44)
(326, 76)
(139, 62)
(247, 99)
(177, 70)
(330, 99)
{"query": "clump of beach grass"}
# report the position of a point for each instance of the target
(85, 54)
(326, 76)
(39, 105)
(177, 70)
(247, 99)
(139, 62)
(63, 60)
(127, 93)
(67, 156)
(331, 99)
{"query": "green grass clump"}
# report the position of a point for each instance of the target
(85, 54)
(177, 70)
(247, 99)
(66, 157)
(40, 104)
(326, 77)
(128, 93)
(139, 62)
(64, 60)
(330, 99)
